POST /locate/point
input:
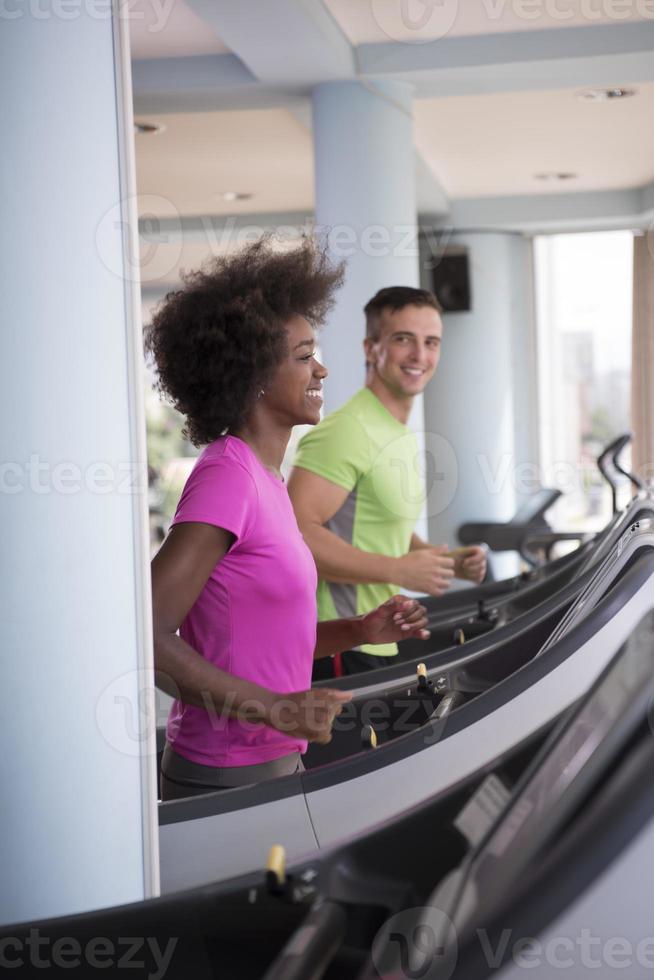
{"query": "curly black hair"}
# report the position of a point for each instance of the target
(217, 341)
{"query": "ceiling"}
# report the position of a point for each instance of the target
(201, 155)
(169, 30)
(476, 146)
(489, 145)
(496, 85)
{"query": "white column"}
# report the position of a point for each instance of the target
(366, 206)
(483, 399)
(78, 781)
(642, 358)
(366, 203)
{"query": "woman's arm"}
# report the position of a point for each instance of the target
(337, 635)
(397, 619)
(180, 571)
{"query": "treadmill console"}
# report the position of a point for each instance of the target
(644, 526)
(640, 534)
(557, 782)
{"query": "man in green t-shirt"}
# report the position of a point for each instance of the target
(355, 486)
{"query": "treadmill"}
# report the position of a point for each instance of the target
(481, 613)
(467, 599)
(575, 814)
(562, 849)
(207, 838)
(528, 532)
(507, 609)
(569, 849)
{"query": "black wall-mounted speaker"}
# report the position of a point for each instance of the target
(451, 282)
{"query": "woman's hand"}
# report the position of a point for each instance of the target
(307, 714)
(396, 619)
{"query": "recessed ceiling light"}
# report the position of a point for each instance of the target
(235, 196)
(146, 129)
(553, 175)
(605, 94)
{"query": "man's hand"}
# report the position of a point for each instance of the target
(396, 619)
(427, 570)
(470, 563)
(307, 714)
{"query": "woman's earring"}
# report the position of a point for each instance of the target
(261, 392)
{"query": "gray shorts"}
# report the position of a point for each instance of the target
(180, 777)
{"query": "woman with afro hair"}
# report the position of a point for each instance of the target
(235, 354)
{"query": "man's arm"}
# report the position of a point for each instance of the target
(470, 563)
(417, 543)
(315, 501)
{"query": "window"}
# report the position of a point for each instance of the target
(584, 313)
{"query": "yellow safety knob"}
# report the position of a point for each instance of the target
(421, 670)
(369, 737)
(276, 864)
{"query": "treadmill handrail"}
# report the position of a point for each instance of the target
(312, 946)
(611, 452)
(633, 477)
(546, 541)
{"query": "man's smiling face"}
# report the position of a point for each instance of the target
(405, 356)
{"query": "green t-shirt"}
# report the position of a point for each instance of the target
(366, 451)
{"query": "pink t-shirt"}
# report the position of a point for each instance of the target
(256, 616)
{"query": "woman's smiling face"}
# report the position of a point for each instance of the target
(295, 393)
